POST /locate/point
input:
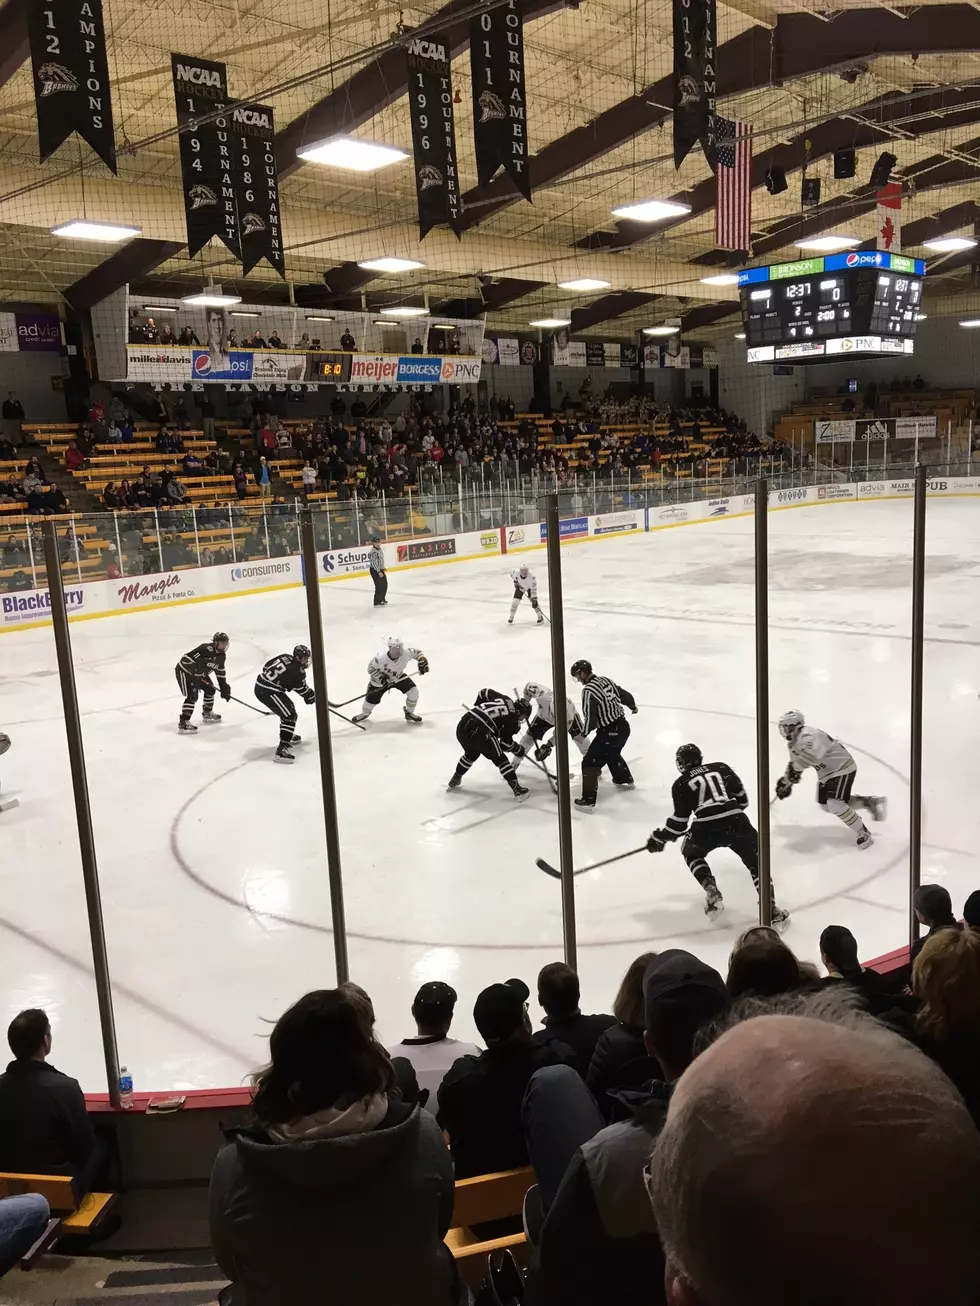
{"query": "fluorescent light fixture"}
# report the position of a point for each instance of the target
(584, 283)
(214, 297)
(721, 279)
(443, 326)
(245, 314)
(828, 244)
(386, 264)
(350, 153)
(109, 233)
(652, 210)
(382, 322)
(921, 317)
(158, 308)
(407, 310)
(971, 322)
(661, 331)
(739, 335)
(318, 317)
(548, 323)
(949, 244)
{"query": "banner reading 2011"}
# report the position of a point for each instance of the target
(71, 76)
(695, 79)
(430, 99)
(499, 95)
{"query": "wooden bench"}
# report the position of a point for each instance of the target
(478, 1201)
(70, 1218)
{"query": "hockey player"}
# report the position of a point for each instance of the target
(193, 673)
(836, 770)
(712, 797)
(602, 712)
(280, 677)
(524, 583)
(487, 730)
(6, 804)
(544, 721)
(387, 671)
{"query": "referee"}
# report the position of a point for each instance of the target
(376, 561)
(602, 711)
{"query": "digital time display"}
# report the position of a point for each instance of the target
(331, 367)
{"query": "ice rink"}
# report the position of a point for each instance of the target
(212, 860)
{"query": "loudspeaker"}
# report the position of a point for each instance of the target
(776, 180)
(810, 191)
(883, 169)
(845, 163)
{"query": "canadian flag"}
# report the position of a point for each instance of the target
(889, 235)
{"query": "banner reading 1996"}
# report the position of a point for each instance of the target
(71, 76)
(206, 162)
(430, 100)
(257, 186)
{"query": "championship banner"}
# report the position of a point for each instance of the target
(695, 79)
(71, 76)
(206, 164)
(500, 95)
(430, 100)
(256, 181)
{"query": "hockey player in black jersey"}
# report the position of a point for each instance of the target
(193, 673)
(487, 730)
(280, 677)
(712, 798)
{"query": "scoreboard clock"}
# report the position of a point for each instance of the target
(864, 302)
(331, 367)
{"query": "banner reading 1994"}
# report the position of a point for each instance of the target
(206, 162)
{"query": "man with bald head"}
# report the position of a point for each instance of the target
(817, 1162)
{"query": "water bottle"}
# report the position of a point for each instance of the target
(125, 1088)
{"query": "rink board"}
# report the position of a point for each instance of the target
(28, 609)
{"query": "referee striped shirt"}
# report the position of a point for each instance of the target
(602, 703)
(376, 559)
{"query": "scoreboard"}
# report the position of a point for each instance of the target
(331, 367)
(863, 302)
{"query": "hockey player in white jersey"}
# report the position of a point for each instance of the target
(836, 771)
(544, 720)
(524, 583)
(387, 671)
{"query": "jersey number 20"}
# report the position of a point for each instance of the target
(711, 784)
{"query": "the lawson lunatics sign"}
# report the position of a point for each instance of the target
(500, 95)
(430, 100)
(71, 75)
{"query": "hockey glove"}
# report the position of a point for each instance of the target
(224, 690)
(784, 787)
(309, 698)
(518, 593)
(656, 844)
(544, 752)
(423, 662)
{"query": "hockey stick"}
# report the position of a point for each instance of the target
(542, 865)
(261, 711)
(344, 718)
(346, 701)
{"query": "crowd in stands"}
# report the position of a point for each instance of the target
(710, 1141)
(29, 487)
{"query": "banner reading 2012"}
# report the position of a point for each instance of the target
(71, 76)
(206, 160)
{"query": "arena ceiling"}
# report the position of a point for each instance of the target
(808, 80)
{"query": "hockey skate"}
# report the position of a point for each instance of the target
(283, 754)
(714, 903)
(878, 808)
(520, 793)
(585, 804)
(185, 728)
(780, 917)
(865, 839)
(625, 784)
(510, 621)
(409, 716)
(455, 782)
(212, 718)
(359, 716)
(540, 619)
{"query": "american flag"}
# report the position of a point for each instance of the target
(733, 181)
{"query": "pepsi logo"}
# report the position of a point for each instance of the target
(202, 365)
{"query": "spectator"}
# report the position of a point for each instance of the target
(22, 1221)
(187, 336)
(263, 478)
(75, 460)
(309, 480)
(114, 434)
(7, 451)
(304, 341)
(933, 908)
(763, 966)
(839, 954)
(167, 335)
(20, 581)
(417, 346)
(946, 979)
(241, 481)
(12, 413)
(432, 1052)
(339, 1189)
(43, 1125)
(191, 463)
(559, 995)
(175, 491)
(111, 498)
(480, 1096)
(207, 417)
(971, 910)
(258, 339)
(598, 1245)
(275, 340)
(620, 1059)
(151, 332)
(746, 1176)
(347, 342)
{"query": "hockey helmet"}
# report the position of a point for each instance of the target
(302, 655)
(688, 755)
(532, 690)
(523, 568)
(523, 708)
(581, 668)
(395, 646)
(791, 723)
(220, 640)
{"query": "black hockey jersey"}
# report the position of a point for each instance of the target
(709, 792)
(285, 674)
(201, 661)
(497, 712)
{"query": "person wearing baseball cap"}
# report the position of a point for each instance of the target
(432, 1051)
(598, 1245)
(480, 1096)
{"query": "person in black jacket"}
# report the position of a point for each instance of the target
(559, 994)
(598, 1245)
(280, 677)
(44, 1128)
(620, 1059)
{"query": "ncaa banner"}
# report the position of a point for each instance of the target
(695, 82)
(500, 95)
(257, 187)
(71, 76)
(207, 168)
(430, 100)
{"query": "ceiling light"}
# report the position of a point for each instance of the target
(108, 232)
(921, 317)
(386, 264)
(584, 283)
(245, 314)
(652, 210)
(828, 244)
(381, 322)
(407, 310)
(721, 279)
(213, 297)
(739, 335)
(443, 326)
(547, 323)
(971, 322)
(158, 308)
(350, 153)
(318, 317)
(661, 331)
(948, 244)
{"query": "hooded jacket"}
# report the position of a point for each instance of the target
(344, 1220)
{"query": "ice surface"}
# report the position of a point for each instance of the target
(212, 859)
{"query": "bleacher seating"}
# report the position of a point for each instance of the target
(480, 1200)
(70, 1218)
